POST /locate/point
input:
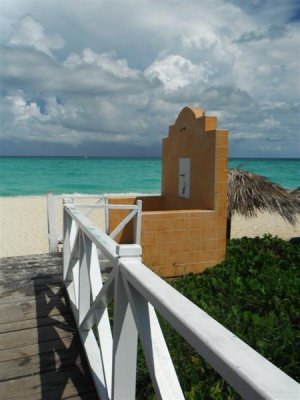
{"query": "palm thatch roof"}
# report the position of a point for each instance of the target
(296, 192)
(249, 193)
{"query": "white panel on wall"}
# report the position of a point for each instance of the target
(184, 177)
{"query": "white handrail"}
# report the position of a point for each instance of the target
(109, 206)
(136, 213)
(53, 239)
(253, 376)
(137, 292)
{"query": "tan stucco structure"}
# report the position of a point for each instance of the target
(184, 229)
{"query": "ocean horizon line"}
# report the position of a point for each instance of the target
(140, 157)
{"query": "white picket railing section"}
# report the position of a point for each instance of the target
(137, 292)
(53, 238)
(100, 201)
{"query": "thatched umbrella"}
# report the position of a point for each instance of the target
(249, 193)
(296, 193)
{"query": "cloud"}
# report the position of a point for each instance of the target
(274, 32)
(176, 72)
(108, 62)
(119, 73)
(30, 32)
(272, 11)
(90, 74)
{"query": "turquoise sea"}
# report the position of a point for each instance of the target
(21, 176)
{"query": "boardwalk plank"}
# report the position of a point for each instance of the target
(52, 385)
(30, 336)
(31, 287)
(40, 292)
(23, 310)
(36, 322)
(39, 348)
(35, 280)
(40, 351)
(27, 270)
(50, 361)
(19, 272)
(29, 291)
(31, 260)
(84, 396)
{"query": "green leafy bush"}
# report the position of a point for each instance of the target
(255, 293)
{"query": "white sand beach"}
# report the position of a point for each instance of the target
(24, 231)
(24, 226)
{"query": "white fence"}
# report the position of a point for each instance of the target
(137, 292)
(101, 201)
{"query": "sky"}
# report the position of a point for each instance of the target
(107, 78)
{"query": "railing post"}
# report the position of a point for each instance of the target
(138, 223)
(106, 211)
(100, 315)
(163, 375)
(124, 335)
(66, 237)
(52, 235)
(84, 287)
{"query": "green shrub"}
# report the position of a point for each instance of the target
(255, 294)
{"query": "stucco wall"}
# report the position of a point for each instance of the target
(181, 235)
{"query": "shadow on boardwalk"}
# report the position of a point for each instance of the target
(41, 356)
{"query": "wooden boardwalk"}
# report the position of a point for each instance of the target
(40, 352)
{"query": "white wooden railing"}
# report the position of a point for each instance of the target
(100, 201)
(137, 292)
(53, 238)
